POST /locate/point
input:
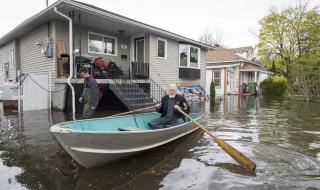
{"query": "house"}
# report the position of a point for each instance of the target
(149, 57)
(232, 71)
(246, 52)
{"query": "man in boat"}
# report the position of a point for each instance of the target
(170, 116)
(90, 94)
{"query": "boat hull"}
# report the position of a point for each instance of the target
(92, 149)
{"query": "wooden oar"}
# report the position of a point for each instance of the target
(238, 156)
(133, 111)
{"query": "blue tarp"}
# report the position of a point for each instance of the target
(193, 87)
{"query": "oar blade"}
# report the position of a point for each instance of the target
(235, 154)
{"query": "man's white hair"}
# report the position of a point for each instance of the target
(173, 86)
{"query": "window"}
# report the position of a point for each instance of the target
(194, 57)
(102, 44)
(162, 48)
(11, 59)
(189, 56)
(216, 77)
(183, 50)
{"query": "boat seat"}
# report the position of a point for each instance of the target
(131, 129)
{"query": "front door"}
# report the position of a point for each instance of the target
(230, 82)
(139, 50)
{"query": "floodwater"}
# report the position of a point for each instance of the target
(281, 136)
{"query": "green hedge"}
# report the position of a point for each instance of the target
(212, 96)
(276, 85)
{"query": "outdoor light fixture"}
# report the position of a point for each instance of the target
(121, 32)
(76, 51)
(38, 44)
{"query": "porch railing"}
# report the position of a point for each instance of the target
(137, 92)
(140, 70)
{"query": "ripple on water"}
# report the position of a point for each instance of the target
(314, 146)
(313, 132)
(212, 168)
(8, 176)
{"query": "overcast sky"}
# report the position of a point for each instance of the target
(234, 19)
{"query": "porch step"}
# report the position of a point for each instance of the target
(133, 90)
(134, 94)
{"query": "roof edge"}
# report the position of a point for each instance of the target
(8, 36)
(135, 22)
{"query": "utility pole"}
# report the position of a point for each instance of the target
(47, 3)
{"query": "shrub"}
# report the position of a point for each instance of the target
(275, 86)
(212, 92)
(212, 95)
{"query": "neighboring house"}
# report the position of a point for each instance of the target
(35, 45)
(230, 71)
(244, 52)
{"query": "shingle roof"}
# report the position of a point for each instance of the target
(223, 55)
(250, 66)
(242, 49)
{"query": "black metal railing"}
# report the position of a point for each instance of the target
(140, 70)
(136, 92)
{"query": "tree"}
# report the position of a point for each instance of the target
(211, 38)
(286, 34)
(291, 37)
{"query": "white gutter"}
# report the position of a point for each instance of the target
(258, 70)
(238, 60)
(126, 20)
(222, 66)
(70, 61)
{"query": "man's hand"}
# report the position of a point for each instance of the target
(157, 106)
(80, 99)
(176, 107)
(93, 108)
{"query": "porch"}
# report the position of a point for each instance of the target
(101, 69)
(122, 90)
(251, 75)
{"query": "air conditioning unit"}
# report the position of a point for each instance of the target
(9, 91)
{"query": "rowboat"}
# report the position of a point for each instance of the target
(95, 142)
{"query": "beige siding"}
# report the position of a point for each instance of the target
(4, 51)
(166, 71)
(62, 34)
(203, 67)
(1, 67)
(31, 59)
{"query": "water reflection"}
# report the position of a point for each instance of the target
(282, 137)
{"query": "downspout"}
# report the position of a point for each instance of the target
(225, 80)
(239, 83)
(70, 61)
